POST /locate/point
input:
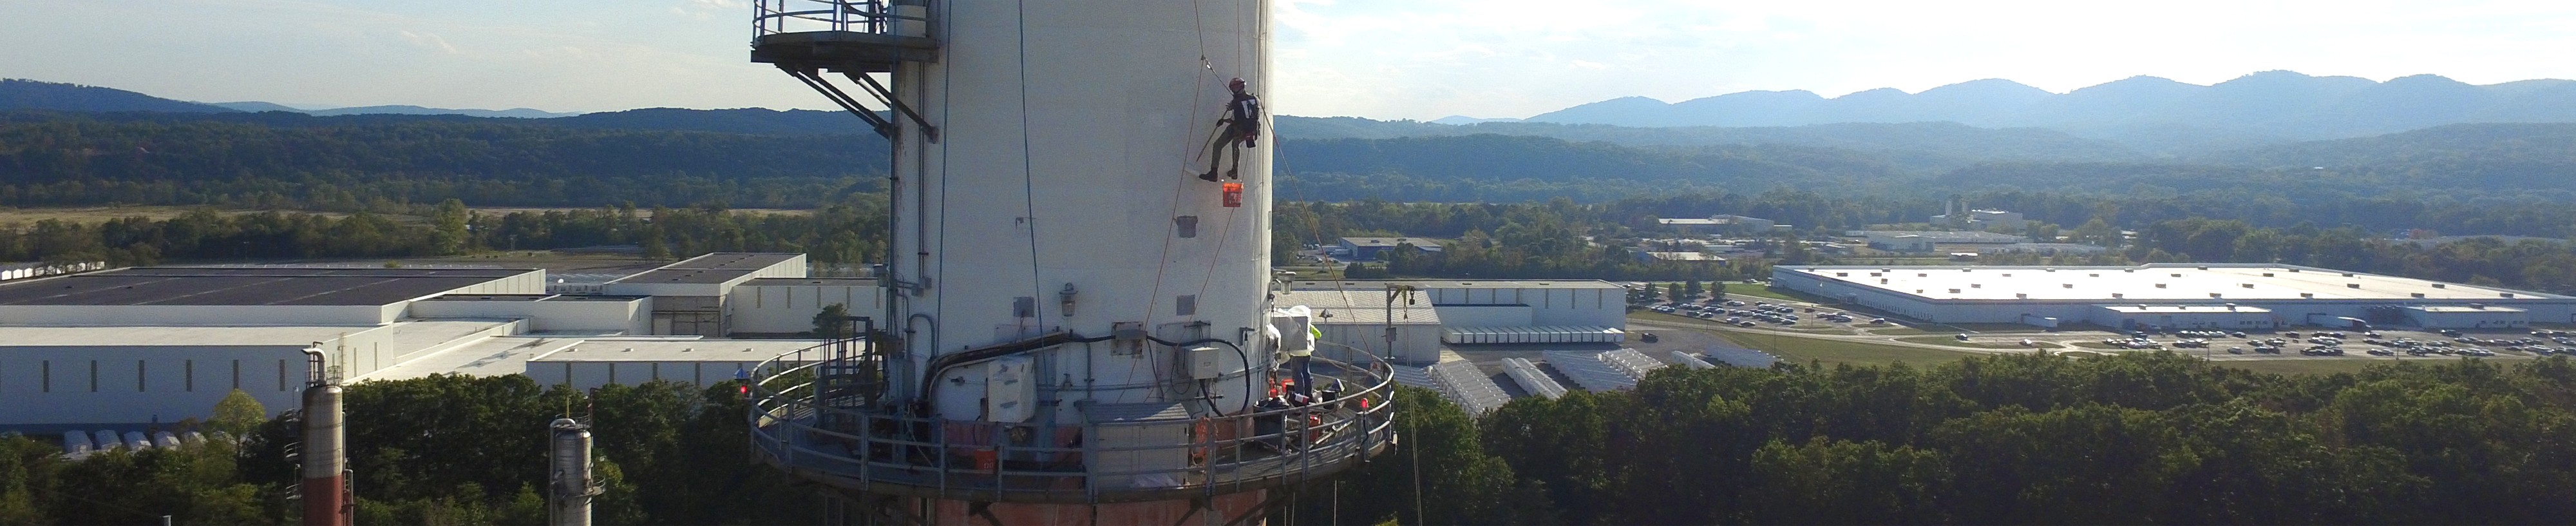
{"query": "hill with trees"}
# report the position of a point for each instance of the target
(17, 94)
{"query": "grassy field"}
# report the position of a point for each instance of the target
(2002, 328)
(1953, 342)
(1802, 350)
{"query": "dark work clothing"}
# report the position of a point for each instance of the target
(1240, 127)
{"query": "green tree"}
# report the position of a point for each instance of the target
(832, 323)
(450, 228)
(237, 414)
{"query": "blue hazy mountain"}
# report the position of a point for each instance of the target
(2152, 113)
(257, 106)
(1462, 119)
(517, 113)
(56, 96)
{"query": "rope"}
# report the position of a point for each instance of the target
(1028, 172)
(1418, 517)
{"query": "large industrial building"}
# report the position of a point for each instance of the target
(137, 346)
(1426, 314)
(2225, 296)
(123, 348)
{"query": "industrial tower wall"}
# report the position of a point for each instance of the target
(1070, 134)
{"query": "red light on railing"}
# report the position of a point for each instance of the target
(1233, 195)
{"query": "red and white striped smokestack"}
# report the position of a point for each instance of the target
(325, 486)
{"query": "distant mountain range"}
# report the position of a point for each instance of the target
(2265, 107)
(39, 95)
(2136, 133)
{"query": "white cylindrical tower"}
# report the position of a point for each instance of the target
(1061, 192)
(1077, 321)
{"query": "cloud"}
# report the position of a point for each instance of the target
(427, 40)
(710, 9)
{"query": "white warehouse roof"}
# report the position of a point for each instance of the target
(2152, 282)
(2182, 309)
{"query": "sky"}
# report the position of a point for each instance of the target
(1382, 59)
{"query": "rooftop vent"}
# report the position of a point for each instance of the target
(2267, 274)
(2160, 285)
(2116, 295)
(2347, 274)
(2441, 286)
(2092, 275)
(2245, 285)
(2007, 274)
(2177, 274)
(2358, 285)
(2307, 295)
(2022, 296)
(2478, 306)
(1954, 291)
(2213, 295)
(2202, 268)
(2066, 285)
(1976, 285)
(2504, 294)
(2416, 294)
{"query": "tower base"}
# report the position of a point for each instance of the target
(1239, 509)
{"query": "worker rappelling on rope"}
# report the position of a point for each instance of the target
(1238, 130)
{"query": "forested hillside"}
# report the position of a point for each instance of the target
(277, 159)
(1916, 146)
(18, 94)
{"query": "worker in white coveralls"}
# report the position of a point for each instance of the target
(1297, 337)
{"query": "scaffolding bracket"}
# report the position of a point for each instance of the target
(814, 80)
(928, 132)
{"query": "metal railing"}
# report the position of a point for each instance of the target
(770, 17)
(883, 449)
